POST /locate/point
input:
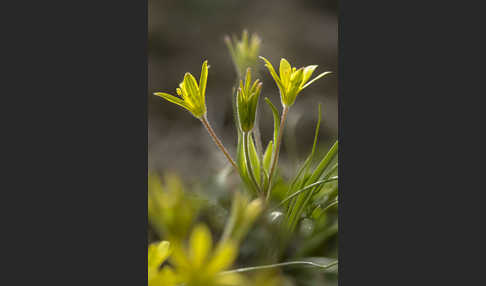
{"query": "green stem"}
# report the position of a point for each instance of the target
(277, 150)
(218, 142)
(333, 203)
(246, 140)
(245, 269)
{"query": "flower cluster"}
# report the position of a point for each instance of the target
(194, 264)
(290, 82)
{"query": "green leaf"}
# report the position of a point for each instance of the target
(307, 188)
(267, 156)
(241, 162)
(276, 119)
(321, 167)
(298, 181)
(302, 201)
(255, 161)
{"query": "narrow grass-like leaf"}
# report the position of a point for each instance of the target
(301, 202)
(302, 174)
(276, 120)
(321, 167)
(241, 162)
(298, 181)
(333, 203)
(267, 156)
(307, 188)
(255, 161)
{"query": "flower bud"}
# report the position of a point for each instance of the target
(247, 102)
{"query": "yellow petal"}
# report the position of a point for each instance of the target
(308, 73)
(223, 257)
(200, 245)
(203, 80)
(285, 71)
(316, 78)
(274, 75)
(191, 87)
(173, 99)
(158, 253)
(165, 277)
(185, 95)
(179, 257)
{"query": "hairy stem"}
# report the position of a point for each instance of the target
(246, 140)
(218, 142)
(277, 150)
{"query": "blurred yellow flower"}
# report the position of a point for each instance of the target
(244, 52)
(191, 95)
(170, 210)
(291, 80)
(158, 254)
(199, 264)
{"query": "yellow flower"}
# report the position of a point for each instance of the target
(292, 80)
(191, 95)
(200, 265)
(247, 101)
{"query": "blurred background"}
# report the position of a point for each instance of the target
(183, 33)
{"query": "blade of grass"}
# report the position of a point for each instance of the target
(306, 188)
(298, 180)
(296, 209)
